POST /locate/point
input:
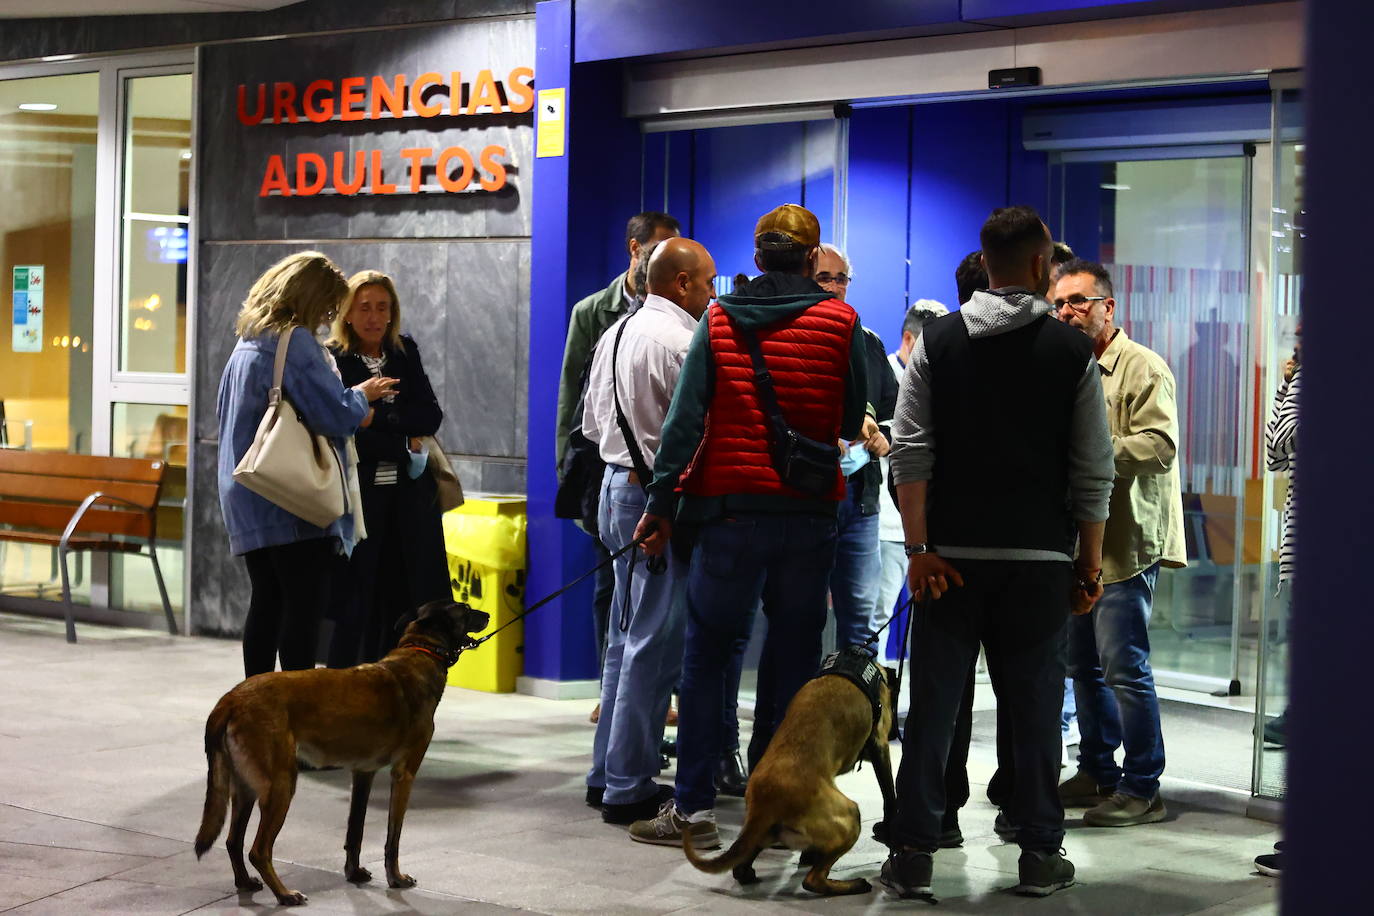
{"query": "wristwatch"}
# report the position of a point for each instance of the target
(1086, 582)
(915, 549)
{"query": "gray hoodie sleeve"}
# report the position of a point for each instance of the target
(1092, 468)
(913, 428)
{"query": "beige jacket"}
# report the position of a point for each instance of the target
(1146, 521)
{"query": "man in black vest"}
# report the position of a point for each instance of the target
(1002, 460)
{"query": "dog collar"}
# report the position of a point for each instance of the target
(855, 666)
(449, 657)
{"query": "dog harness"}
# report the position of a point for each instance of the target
(854, 665)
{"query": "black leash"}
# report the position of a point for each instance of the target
(537, 605)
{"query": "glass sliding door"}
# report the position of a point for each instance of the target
(1173, 228)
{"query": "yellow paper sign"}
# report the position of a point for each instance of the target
(552, 123)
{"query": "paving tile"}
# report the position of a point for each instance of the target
(53, 863)
(36, 829)
(113, 896)
(20, 889)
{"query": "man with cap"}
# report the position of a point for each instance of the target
(763, 530)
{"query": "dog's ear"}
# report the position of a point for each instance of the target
(433, 608)
(891, 675)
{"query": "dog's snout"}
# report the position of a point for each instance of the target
(477, 621)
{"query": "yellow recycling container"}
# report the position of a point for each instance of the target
(485, 540)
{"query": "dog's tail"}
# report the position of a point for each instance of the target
(754, 835)
(216, 780)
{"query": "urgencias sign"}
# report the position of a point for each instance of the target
(358, 98)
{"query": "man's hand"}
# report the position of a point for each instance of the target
(931, 572)
(1087, 589)
(873, 439)
(662, 530)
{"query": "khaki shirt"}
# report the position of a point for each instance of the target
(1146, 522)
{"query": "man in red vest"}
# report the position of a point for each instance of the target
(766, 529)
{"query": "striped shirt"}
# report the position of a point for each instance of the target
(385, 475)
(1281, 445)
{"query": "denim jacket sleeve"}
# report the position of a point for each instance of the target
(326, 406)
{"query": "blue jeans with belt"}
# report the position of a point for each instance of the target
(856, 578)
(643, 652)
(1109, 661)
(786, 561)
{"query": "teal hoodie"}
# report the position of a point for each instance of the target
(763, 301)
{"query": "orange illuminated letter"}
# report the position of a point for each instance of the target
(498, 171)
(284, 102)
(326, 109)
(309, 189)
(520, 95)
(274, 178)
(448, 182)
(417, 95)
(350, 94)
(394, 96)
(359, 173)
(417, 156)
(484, 93)
(379, 183)
(455, 92)
(255, 117)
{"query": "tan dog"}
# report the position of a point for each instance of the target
(363, 718)
(792, 795)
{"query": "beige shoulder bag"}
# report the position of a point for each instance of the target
(289, 465)
(445, 478)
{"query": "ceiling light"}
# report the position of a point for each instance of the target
(185, 154)
(37, 106)
(54, 57)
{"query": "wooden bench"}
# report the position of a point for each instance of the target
(82, 502)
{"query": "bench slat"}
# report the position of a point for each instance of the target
(76, 543)
(55, 518)
(62, 464)
(73, 489)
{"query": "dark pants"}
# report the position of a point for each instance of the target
(290, 585)
(399, 566)
(786, 561)
(1018, 611)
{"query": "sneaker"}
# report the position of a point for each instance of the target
(668, 827)
(1005, 828)
(1276, 731)
(1083, 791)
(594, 796)
(641, 810)
(1123, 810)
(1043, 873)
(1269, 865)
(731, 779)
(907, 873)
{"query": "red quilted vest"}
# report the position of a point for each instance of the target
(808, 357)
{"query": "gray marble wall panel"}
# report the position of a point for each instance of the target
(234, 156)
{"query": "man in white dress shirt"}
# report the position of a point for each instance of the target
(639, 359)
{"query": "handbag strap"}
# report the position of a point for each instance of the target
(279, 366)
(763, 382)
(636, 456)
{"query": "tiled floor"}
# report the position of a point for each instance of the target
(102, 776)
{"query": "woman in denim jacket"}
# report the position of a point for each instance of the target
(289, 560)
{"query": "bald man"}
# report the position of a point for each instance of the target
(637, 362)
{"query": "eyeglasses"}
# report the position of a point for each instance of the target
(1079, 304)
(837, 279)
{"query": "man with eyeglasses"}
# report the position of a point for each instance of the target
(855, 579)
(1109, 649)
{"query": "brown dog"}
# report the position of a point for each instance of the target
(363, 718)
(792, 795)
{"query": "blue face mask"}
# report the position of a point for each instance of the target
(855, 457)
(418, 461)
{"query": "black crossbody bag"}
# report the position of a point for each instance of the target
(803, 463)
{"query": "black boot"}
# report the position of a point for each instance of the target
(730, 777)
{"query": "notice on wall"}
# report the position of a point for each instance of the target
(28, 308)
(552, 123)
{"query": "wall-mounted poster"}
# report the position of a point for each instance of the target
(28, 308)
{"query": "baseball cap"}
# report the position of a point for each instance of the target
(798, 227)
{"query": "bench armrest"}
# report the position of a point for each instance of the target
(97, 497)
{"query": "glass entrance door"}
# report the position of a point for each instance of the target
(1173, 228)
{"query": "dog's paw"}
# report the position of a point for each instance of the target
(359, 875)
(745, 874)
(400, 881)
(248, 885)
(292, 898)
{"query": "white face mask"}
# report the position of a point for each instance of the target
(418, 461)
(855, 457)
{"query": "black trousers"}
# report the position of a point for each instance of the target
(400, 565)
(1017, 610)
(290, 585)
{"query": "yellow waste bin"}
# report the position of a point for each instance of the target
(485, 540)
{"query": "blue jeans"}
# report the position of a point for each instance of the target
(890, 582)
(643, 657)
(1109, 661)
(786, 561)
(854, 582)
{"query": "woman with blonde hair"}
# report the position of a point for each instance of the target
(288, 558)
(402, 563)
